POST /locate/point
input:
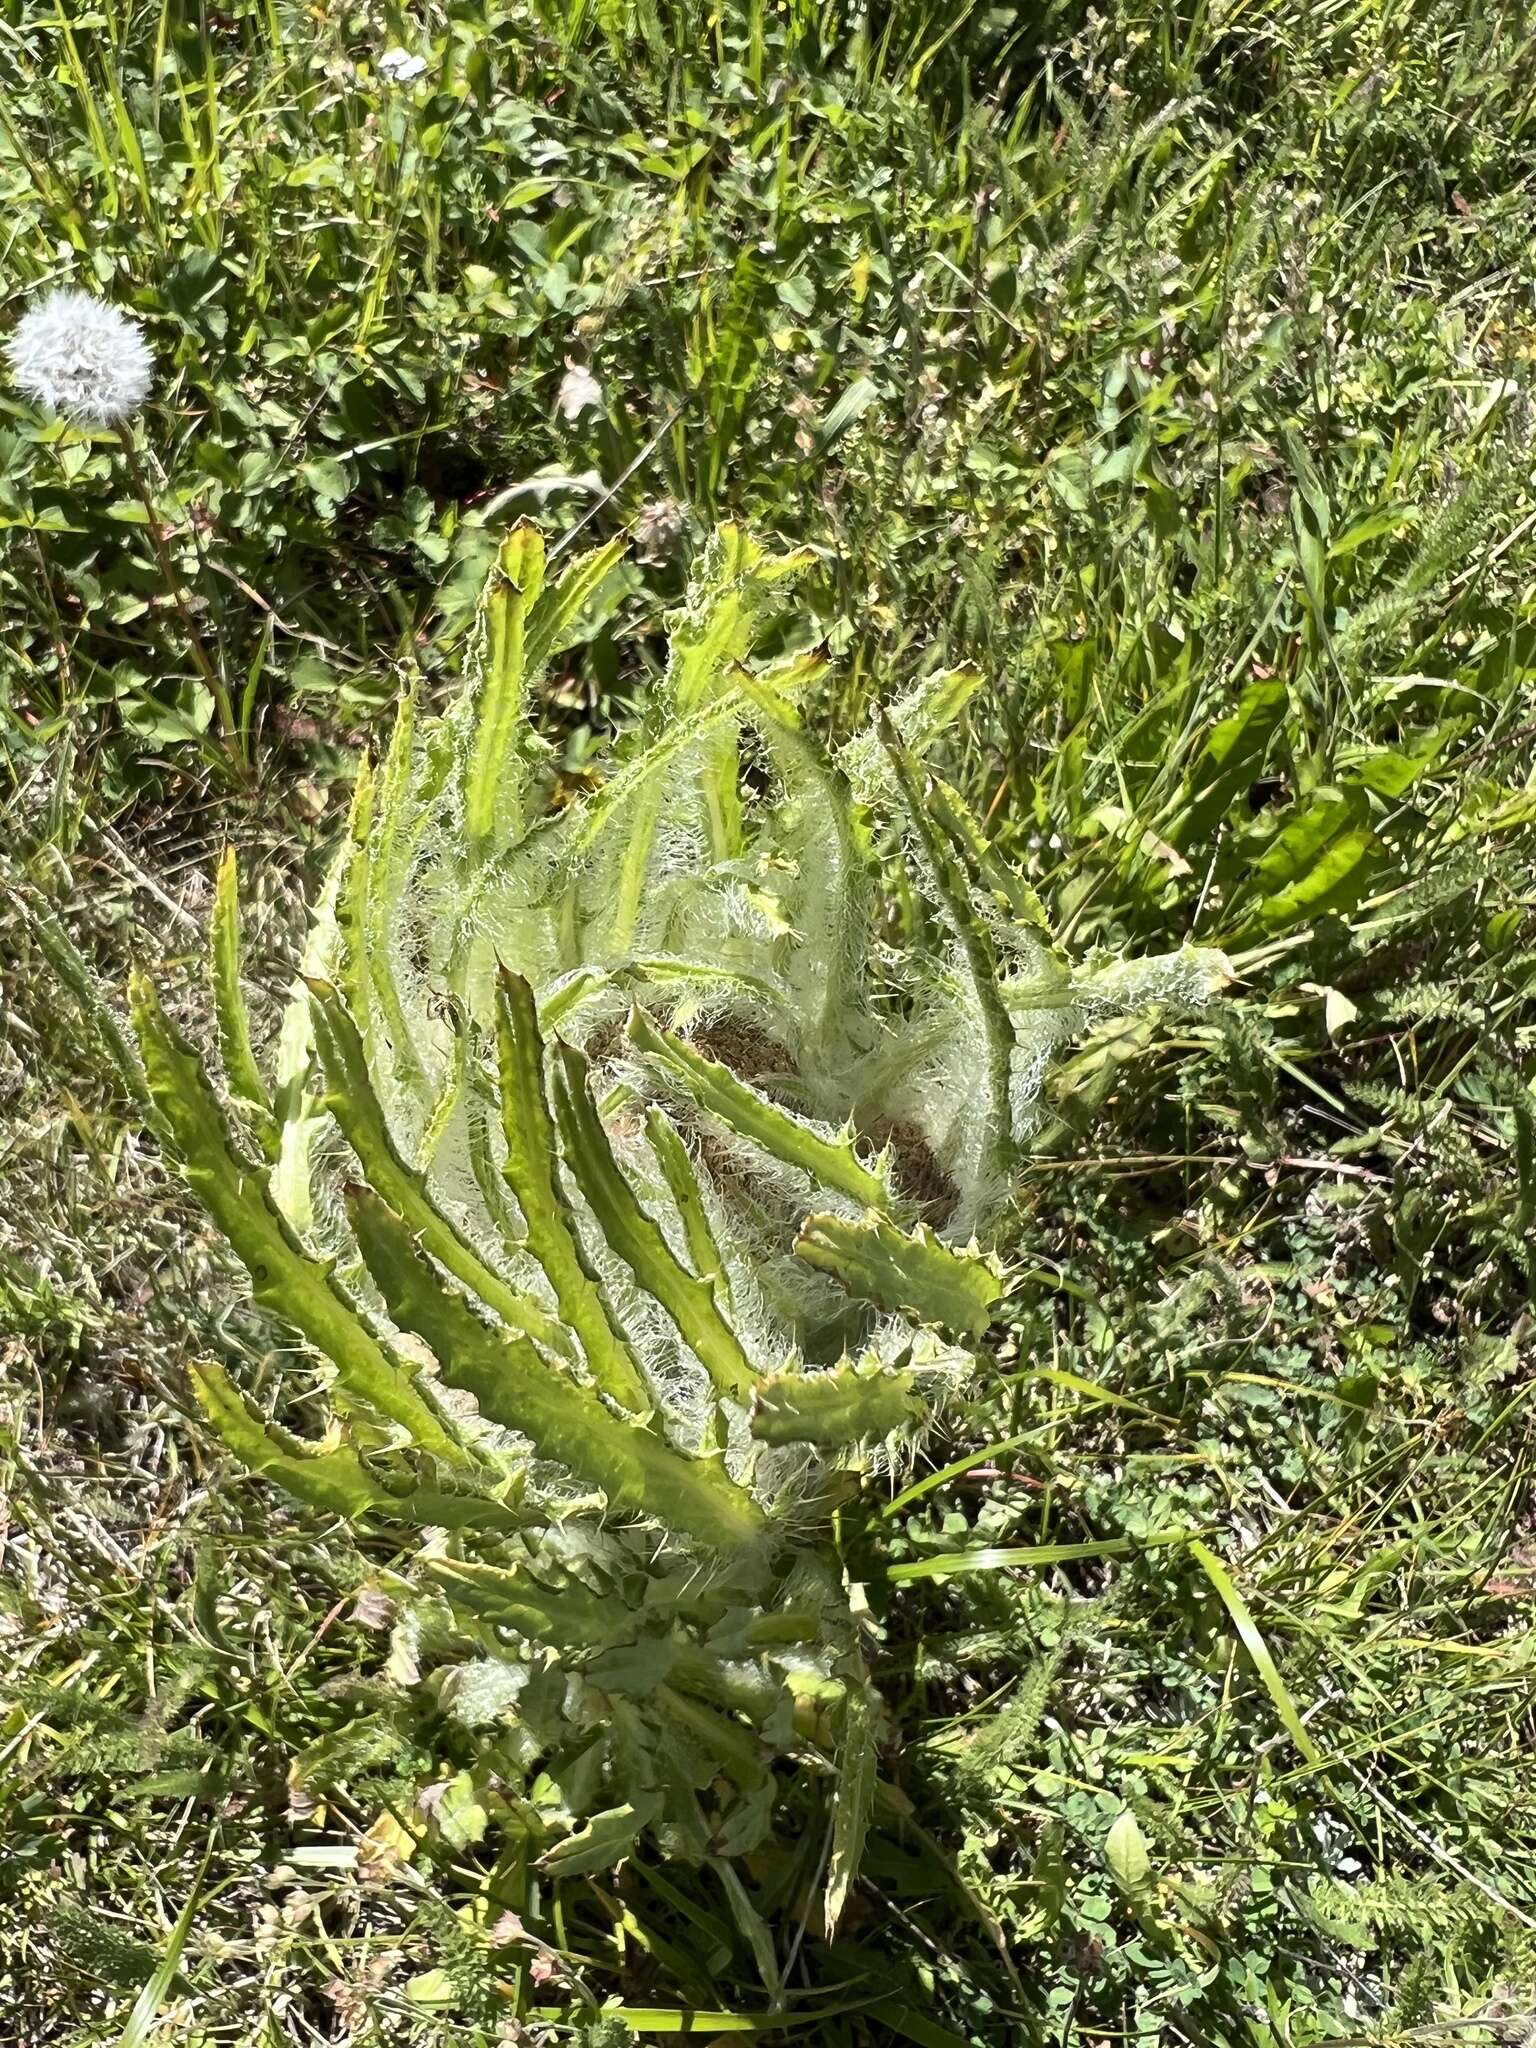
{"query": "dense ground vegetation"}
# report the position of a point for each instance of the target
(1175, 366)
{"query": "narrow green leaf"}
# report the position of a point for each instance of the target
(718, 621)
(732, 1102)
(633, 799)
(142, 2022)
(823, 839)
(852, 405)
(1027, 1556)
(353, 899)
(912, 1272)
(400, 814)
(69, 964)
(636, 1237)
(854, 1800)
(915, 2026)
(702, 2025)
(1254, 1643)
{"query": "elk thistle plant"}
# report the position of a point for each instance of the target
(631, 1171)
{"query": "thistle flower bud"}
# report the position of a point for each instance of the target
(81, 357)
(659, 525)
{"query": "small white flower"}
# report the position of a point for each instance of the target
(579, 392)
(82, 357)
(401, 66)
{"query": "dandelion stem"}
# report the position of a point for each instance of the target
(224, 707)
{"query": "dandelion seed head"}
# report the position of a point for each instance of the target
(81, 357)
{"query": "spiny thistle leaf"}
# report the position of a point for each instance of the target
(851, 1404)
(513, 1386)
(635, 1236)
(283, 1278)
(914, 1274)
(571, 1618)
(493, 773)
(529, 1135)
(240, 1068)
(351, 1100)
(716, 1090)
(331, 1477)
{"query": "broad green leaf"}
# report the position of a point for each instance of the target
(1391, 772)
(1228, 762)
(457, 1813)
(602, 1841)
(1125, 1851)
(1336, 881)
(1295, 850)
(909, 1271)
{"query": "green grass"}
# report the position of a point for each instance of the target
(1174, 365)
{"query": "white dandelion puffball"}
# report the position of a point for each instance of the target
(82, 357)
(400, 66)
(579, 392)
